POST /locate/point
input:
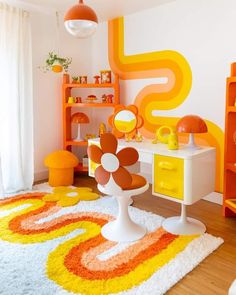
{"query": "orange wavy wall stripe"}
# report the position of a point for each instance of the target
(73, 264)
(175, 68)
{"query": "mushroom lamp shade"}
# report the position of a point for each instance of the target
(79, 118)
(191, 124)
(81, 21)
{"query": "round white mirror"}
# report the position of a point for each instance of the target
(125, 121)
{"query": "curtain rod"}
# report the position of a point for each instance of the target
(29, 6)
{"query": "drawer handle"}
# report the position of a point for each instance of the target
(167, 186)
(166, 165)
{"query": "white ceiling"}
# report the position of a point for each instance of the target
(105, 9)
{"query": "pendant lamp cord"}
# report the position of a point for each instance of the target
(81, 2)
(57, 47)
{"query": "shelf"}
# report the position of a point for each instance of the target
(80, 168)
(229, 205)
(231, 79)
(231, 109)
(77, 143)
(91, 105)
(231, 167)
(68, 86)
(90, 85)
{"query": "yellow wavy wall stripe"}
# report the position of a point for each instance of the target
(175, 68)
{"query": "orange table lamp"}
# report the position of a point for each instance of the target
(191, 124)
(79, 118)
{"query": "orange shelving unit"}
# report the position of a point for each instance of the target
(67, 109)
(229, 192)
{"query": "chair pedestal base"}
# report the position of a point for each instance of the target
(176, 226)
(123, 229)
(114, 231)
(131, 201)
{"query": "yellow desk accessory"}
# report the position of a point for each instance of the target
(169, 138)
(138, 137)
(102, 129)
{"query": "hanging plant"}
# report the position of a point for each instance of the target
(56, 63)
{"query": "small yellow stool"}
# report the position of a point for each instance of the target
(61, 168)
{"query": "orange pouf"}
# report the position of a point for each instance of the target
(61, 168)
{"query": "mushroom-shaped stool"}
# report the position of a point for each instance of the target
(191, 124)
(79, 118)
(61, 168)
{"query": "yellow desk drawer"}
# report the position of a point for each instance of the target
(169, 176)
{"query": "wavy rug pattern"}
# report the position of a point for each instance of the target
(47, 249)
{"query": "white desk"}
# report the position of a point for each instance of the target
(183, 175)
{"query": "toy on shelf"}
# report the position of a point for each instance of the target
(96, 79)
(104, 98)
(191, 124)
(170, 137)
(91, 98)
(61, 168)
(102, 129)
(110, 98)
(78, 99)
(71, 99)
(83, 79)
(75, 79)
(79, 118)
(125, 121)
(105, 76)
(107, 98)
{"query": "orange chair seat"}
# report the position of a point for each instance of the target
(137, 182)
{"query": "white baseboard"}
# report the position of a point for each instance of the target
(41, 175)
(214, 198)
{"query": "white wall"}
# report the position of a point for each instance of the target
(47, 86)
(203, 31)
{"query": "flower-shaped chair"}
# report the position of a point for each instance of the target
(114, 179)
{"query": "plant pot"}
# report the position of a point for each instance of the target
(57, 68)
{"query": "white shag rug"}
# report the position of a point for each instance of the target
(52, 250)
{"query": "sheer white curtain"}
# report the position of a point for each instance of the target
(16, 100)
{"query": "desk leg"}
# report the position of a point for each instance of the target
(183, 225)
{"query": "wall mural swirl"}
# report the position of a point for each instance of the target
(159, 97)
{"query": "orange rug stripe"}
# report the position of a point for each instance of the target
(90, 260)
(73, 261)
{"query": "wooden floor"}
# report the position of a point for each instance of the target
(215, 274)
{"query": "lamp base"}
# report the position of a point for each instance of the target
(78, 139)
(191, 144)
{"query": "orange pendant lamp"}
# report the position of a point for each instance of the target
(81, 21)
